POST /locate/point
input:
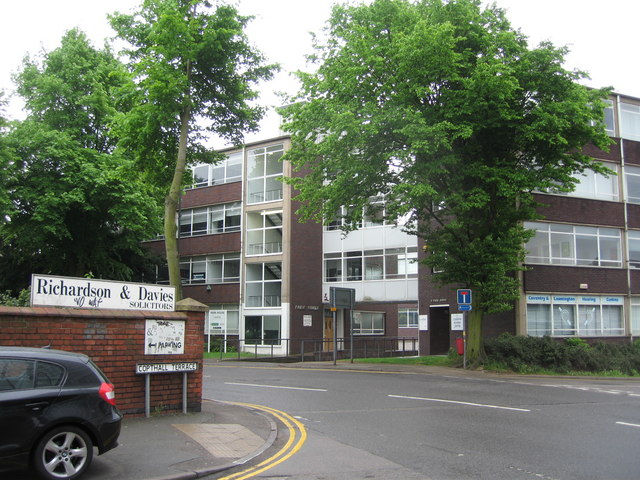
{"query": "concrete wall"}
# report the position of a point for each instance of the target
(114, 339)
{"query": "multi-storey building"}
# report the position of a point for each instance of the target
(267, 276)
(582, 276)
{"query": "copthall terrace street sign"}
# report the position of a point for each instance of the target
(52, 291)
(146, 368)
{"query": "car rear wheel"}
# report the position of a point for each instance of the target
(64, 453)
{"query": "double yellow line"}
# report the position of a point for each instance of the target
(297, 437)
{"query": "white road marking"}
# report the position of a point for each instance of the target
(628, 424)
(461, 403)
(276, 386)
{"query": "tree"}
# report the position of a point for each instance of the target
(193, 66)
(76, 206)
(443, 108)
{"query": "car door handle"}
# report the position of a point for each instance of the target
(37, 406)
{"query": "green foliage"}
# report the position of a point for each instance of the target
(22, 300)
(442, 107)
(525, 354)
(195, 72)
(217, 345)
(76, 205)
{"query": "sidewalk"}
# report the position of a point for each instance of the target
(181, 446)
(187, 446)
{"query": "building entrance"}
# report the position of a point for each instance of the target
(327, 330)
(327, 337)
(439, 328)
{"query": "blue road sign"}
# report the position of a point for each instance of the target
(464, 296)
(465, 307)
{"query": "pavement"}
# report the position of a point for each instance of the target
(186, 446)
(181, 446)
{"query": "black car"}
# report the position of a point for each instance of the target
(55, 407)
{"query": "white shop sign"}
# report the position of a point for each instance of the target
(53, 291)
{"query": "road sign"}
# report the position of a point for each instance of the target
(342, 297)
(464, 308)
(464, 296)
(164, 337)
(146, 368)
(457, 321)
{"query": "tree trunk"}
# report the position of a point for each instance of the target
(475, 345)
(171, 202)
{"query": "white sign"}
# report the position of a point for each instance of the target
(217, 322)
(147, 368)
(307, 320)
(164, 337)
(52, 291)
(423, 323)
(457, 321)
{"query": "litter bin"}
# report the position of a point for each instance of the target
(460, 345)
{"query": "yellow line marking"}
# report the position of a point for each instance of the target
(285, 452)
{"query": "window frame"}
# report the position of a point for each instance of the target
(260, 171)
(399, 263)
(231, 160)
(562, 244)
(363, 316)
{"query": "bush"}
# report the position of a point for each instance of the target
(525, 354)
(22, 300)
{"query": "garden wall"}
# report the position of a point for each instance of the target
(115, 341)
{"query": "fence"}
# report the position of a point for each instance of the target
(317, 349)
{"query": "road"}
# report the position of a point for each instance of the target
(425, 423)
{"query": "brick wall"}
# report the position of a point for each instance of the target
(114, 339)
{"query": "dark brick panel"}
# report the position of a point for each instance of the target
(558, 279)
(216, 194)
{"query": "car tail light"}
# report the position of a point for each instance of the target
(108, 393)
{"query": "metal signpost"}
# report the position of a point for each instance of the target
(164, 337)
(464, 305)
(147, 369)
(342, 298)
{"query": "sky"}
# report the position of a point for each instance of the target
(600, 35)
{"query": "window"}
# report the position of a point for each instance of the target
(635, 316)
(16, 374)
(391, 263)
(566, 315)
(632, 179)
(262, 329)
(225, 171)
(408, 317)
(561, 244)
(596, 185)
(222, 315)
(629, 121)
(340, 219)
(221, 268)
(48, 374)
(223, 218)
(373, 215)
(609, 118)
(264, 233)
(264, 170)
(263, 284)
(368, 323)
(633, 238)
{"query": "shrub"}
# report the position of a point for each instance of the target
(524, 354)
